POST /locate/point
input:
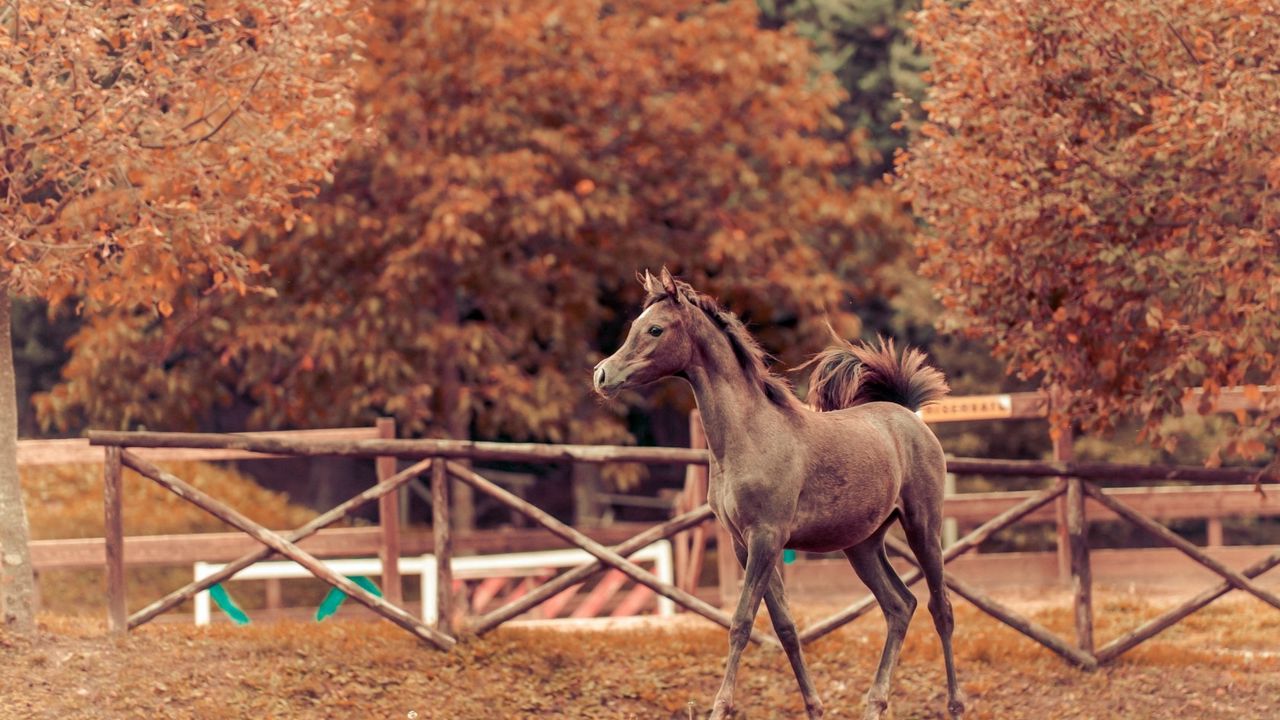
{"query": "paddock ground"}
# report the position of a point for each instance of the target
(1223, 662)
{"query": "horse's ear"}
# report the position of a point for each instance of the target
(669, 284)
(650, 283)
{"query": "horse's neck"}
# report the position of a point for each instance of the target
(726, 397)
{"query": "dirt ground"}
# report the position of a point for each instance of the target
(1224, 662)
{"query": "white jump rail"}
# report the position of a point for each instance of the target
(467, 567)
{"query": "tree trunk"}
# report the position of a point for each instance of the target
(17, 581)
(457, 421)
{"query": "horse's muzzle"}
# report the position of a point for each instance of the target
(607, 383)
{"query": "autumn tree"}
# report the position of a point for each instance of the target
(476, 255)
(1100, 186)
(867, 46)
(138, 141)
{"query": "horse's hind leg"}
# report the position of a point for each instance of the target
(785, 628)
(924, 535)
(896, 602)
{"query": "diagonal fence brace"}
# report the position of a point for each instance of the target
(1160, 623)
(273, 540)
(1006, 615)
(604, 554)
(961, 546)
(175, 598)
(1239, 581)
(567, 579)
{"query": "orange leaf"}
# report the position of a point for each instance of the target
(1252, 448)
(1253, 394)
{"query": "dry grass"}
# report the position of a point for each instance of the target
(1224, 662)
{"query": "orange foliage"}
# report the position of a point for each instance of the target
(1100, 183)
(139, 137)
(478, 246)
(138, 141)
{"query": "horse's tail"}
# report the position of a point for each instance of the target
(849, 374)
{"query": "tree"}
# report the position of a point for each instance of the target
(476, 255)
(139, 141)
(866, 45)
(1099, 183)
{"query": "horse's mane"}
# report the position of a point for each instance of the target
(751, 357)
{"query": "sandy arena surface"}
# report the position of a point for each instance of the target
(1223, 662)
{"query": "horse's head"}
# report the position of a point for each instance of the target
(659, 344)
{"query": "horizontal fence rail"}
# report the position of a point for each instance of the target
(404, 449)
(78, 451)
(534, 452)
(1167, 503)
(225, 547)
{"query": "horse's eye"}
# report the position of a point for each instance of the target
(655, 331)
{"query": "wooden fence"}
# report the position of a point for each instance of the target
(1072, 482)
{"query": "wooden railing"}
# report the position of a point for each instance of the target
(73, 451)
(219, 547)
(1074, 481)
(1072, 484)
(432, 454)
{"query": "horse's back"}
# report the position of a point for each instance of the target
(922, 462)
(863, 461)
(897, 429)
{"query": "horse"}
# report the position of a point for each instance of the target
(829, 477)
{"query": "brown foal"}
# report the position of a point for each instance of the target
(786, 476)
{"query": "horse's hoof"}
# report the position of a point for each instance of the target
(721, 711)
(875, 709)
(956, 708)
(815, 712)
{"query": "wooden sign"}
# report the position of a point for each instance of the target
(971, 407)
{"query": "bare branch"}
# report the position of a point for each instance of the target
(1185, 45)
(221, 124)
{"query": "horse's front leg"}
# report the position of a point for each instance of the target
(763, 548)
(784, 627)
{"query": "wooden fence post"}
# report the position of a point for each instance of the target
(727, 564)
(274, 597)
(585, 479)
(695, 490)
(389, 520)
(1213, 532)
(1077, 528)
(443, 546)
(727, 569)
(112, 474)
(1062, 453)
